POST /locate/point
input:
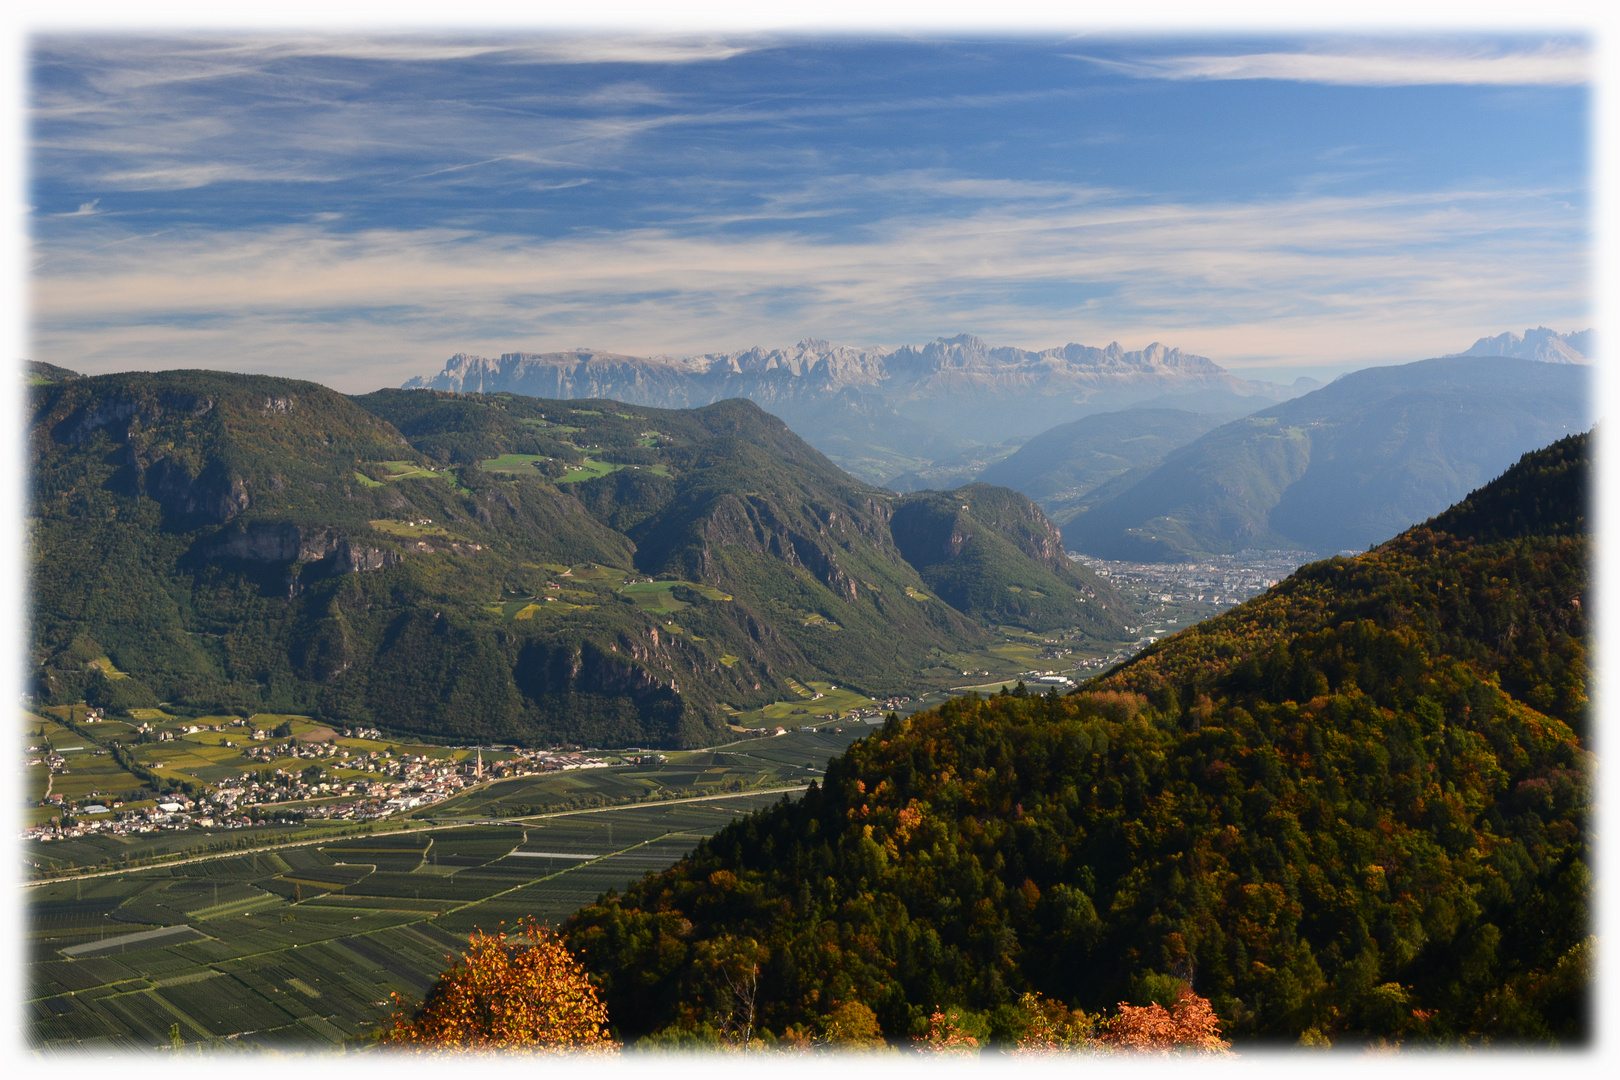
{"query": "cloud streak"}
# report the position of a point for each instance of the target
(1548, 64)
(1335, 280)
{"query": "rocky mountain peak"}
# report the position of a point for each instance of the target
(1547, 346)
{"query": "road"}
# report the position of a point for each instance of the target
(459, 824)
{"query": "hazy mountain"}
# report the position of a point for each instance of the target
(880, 412)
(1340, 468)
(1059, 466)
(472, 567)
(1541, 344)
(1354, 810)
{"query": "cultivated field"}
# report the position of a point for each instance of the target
(302, 947)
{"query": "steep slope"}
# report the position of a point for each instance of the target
(489, 567)
(877, 412)
(1343, 467)
(231, 542)
(1354, 809)
(744, 506)
(1060, 466)
(990, 552)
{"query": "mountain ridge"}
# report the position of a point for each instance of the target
(1340, 468)
(468, 566)
(878, 412)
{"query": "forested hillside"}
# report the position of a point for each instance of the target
(990, 552)
(1356, 808)
(465, 567)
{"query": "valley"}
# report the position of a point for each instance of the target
(298, 733)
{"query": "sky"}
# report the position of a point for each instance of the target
(354, 208)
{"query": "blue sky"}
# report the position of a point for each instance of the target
(353, 209)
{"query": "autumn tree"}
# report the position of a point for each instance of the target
(1190, 1026)
(527, 992)
(853, 1026)
(1052, 1027)
(946, 1035)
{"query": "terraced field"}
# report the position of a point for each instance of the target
(302, 947)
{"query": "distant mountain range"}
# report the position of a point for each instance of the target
(1346, 466)
(880, 412)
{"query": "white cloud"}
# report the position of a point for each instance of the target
(1295, 283)
(1549, 64)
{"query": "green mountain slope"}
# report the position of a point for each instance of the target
(1061, 465)
(463, 567)
(990, 552)
(1343, 467)
(1356, 808)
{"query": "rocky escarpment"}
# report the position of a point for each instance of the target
(318, 552)
(118, 411)
(815, 368)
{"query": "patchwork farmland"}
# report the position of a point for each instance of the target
(304, 946)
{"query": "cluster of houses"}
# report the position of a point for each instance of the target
(393, 783)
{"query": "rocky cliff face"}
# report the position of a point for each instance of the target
(948, 365)
(323, 552)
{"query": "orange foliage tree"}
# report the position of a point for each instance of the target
(1190, 1025)
(506, 995)
(945, 1036)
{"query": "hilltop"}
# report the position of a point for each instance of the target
(1355, 809)
(468, 567)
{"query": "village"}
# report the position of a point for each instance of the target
(338, 784)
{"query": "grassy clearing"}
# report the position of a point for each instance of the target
(521, 464)
(410, 470)
(832, 704)
(589, 469)
(535, 422)
(405, 529)
(655, 596)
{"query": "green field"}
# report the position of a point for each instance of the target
(301, 947)
(807, 709)
(655, 595)
(400, 528)
(522, 464)
(588, 470)
(409, 470)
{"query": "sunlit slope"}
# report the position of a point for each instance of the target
(462, 567)
(1354, 809)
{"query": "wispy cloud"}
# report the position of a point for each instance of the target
(1333, 280)
(1548, 64)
